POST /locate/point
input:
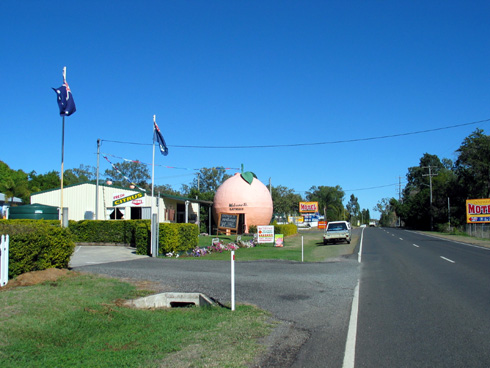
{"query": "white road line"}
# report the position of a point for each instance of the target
(350, 345)
(359, 255)
(449, 240)
(415, 245)
(401, 238)
(447, 259)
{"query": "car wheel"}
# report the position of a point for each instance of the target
(325, 242)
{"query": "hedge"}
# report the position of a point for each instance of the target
(40, 244)
(36, 245)
(286, 229)
(172, 237)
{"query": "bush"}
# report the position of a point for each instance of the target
(286, 229)
(175, 238)
(137, 233)
(99, 231)
(36, 245)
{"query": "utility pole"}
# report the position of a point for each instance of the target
(430, 175)
(399, 199)
(449, 213)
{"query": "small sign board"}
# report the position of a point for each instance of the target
(279, 240)
(228, 221)
(266, 234)
(308, 207)
(478, 211)
(322, 224)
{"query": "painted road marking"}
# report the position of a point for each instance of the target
(415, 245)
(447, 259)
(350, 345)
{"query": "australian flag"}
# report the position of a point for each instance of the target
(65, 100)
(157, 136)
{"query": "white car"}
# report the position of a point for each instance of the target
(337, 231)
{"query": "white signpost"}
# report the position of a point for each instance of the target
(4, 260)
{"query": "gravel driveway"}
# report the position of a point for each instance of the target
(313, 300)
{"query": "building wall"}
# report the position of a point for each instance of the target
(80, 201)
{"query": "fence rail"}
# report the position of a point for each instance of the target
(478, 230)
(4, 260)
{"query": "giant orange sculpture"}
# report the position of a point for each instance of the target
(244, 194)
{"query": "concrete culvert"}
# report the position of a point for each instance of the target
(171, 300)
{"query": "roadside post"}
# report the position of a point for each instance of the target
(4, 260)
(232, 280)
(302, 250)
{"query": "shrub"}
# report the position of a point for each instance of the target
(36, 245)
(286, 229)
(175, 238)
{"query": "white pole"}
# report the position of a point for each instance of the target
(232, 280)
(152, 240)
(302, 250)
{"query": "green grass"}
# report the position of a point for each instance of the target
(314, 250)
(78, 322)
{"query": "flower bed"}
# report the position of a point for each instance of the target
(216, 247)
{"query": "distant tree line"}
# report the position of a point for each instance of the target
(448, 183)
(17, 183)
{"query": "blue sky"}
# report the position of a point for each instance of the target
(247, 73)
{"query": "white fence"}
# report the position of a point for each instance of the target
(4, 260)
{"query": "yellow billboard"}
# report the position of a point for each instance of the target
(308, 207)
(478, 211)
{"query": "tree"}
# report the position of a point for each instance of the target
(473, 165)
(386, 207)
(432, 175)
(285, 200)
(353, 207)
(136, 172)
(13, 183)
(365, 215)
(330, 198)
(81, 175)
(166, 189)
(38, 183)
(209, 179)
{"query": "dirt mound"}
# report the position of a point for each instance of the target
(38, 277)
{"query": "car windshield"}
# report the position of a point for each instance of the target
(337, 227)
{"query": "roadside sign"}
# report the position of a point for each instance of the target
(265, 234)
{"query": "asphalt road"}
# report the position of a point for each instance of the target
(313, 300)
(423, 302)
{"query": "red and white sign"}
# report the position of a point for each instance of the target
(265, 234)
(308, 207)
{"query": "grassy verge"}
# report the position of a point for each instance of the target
(463, 238)
(79, 322)
(313, 248)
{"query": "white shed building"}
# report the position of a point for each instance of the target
(116, 203)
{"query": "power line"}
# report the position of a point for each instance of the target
(314, 143)
(381, 186)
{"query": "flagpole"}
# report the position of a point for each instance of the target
(62, 155)
(154, 249)
(153, 165)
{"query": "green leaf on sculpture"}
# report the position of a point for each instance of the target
(248, 176)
